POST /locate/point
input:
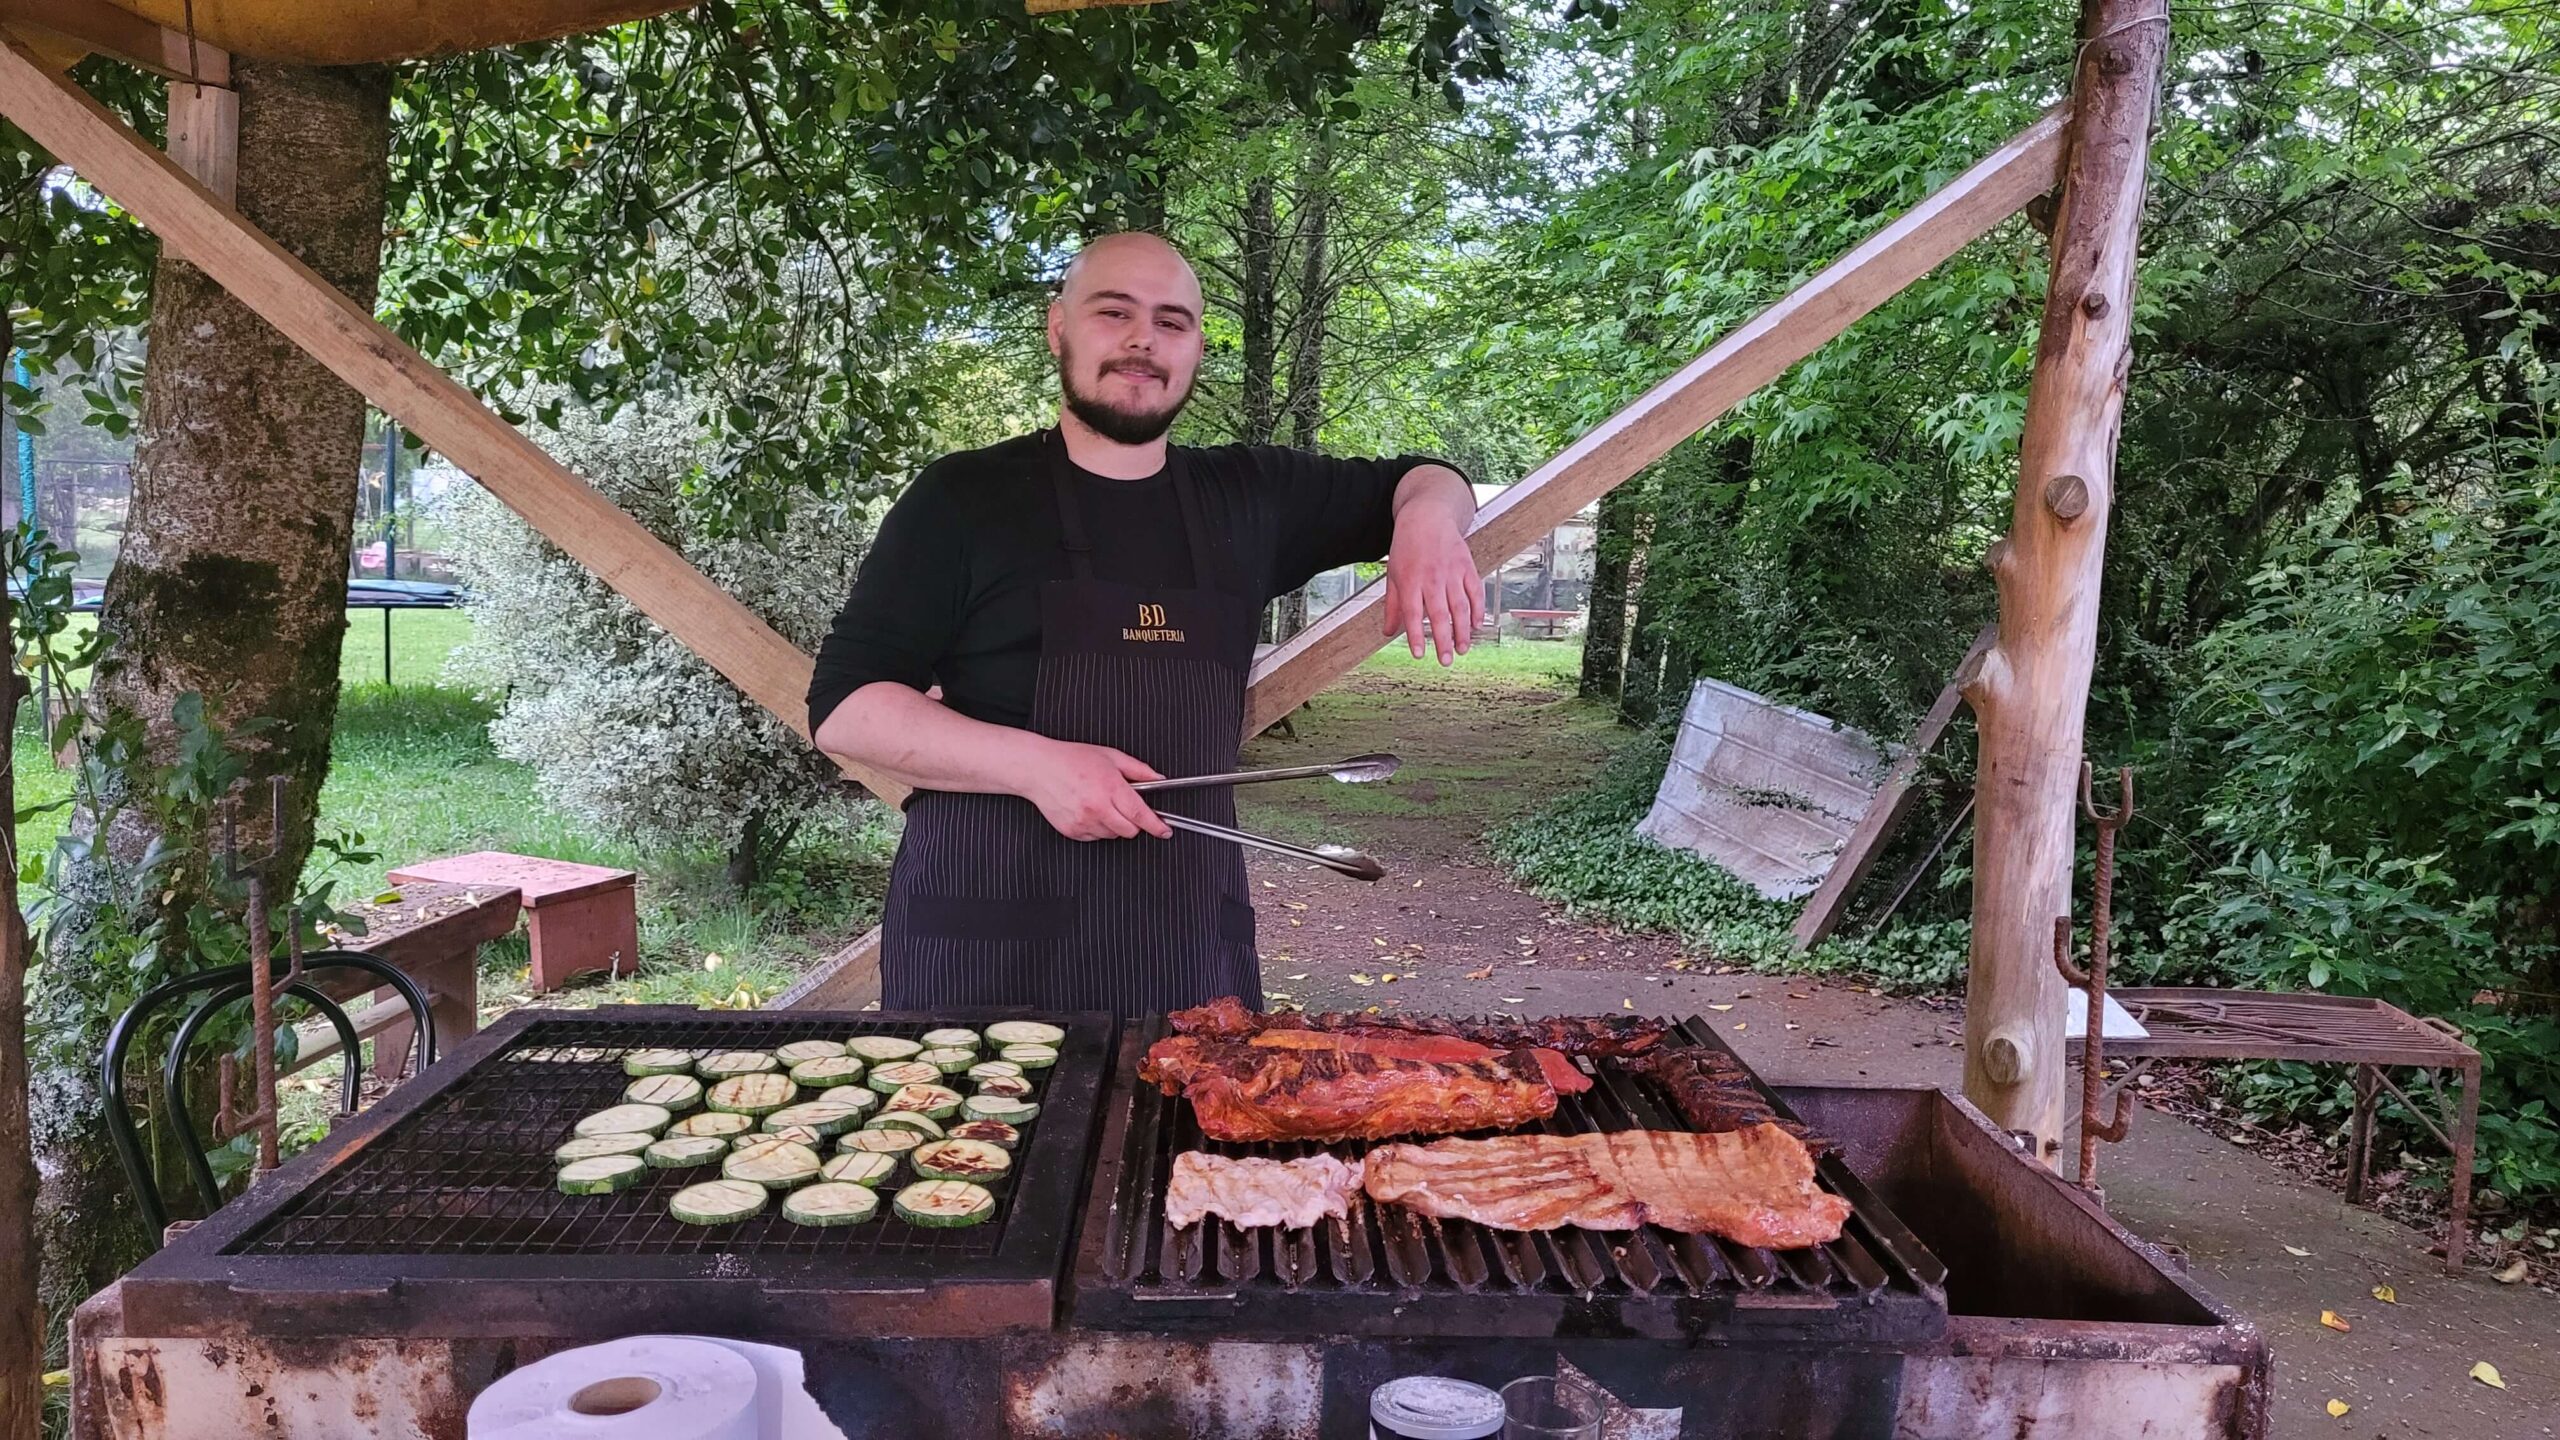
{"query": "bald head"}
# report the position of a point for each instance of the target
(1125, 328)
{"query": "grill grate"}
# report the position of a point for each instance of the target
(1650, 1279)
(472, 1174)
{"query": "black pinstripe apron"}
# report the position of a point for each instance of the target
(990, 906)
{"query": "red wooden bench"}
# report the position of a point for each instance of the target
(583, 917)
(433, 932)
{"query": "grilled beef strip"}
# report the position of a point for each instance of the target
(1715, 1092)
(1248, 1090)
(1596, 1036)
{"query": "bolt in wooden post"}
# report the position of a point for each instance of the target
(2030, 690)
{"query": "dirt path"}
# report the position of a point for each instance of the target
(1458, 937)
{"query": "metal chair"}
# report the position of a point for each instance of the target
(229, 985)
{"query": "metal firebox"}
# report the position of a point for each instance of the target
(437, 1208)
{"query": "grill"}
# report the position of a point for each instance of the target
(445, 1194)
(1386, 1271)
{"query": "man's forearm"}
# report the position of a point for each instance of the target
(891, 728)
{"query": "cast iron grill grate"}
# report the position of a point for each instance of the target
(1877, 1277)
(472, 1173)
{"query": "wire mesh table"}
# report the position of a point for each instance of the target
(2187, 1024)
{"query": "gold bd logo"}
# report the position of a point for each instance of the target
(1151, 627)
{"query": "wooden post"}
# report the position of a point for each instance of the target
(2030, 690)
(204, 136)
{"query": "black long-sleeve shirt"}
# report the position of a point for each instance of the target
(949, 592)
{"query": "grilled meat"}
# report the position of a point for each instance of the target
(1593, 1035)
(1715, 1092)
(1279, 1087)
(1752, 1186)
(1289, 1193)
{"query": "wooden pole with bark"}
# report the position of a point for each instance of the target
(21, 1319)
(2030, 689)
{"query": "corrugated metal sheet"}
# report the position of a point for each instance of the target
(1765, 790)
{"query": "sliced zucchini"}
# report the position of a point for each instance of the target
(801, 1052)
(990, 1069)
(955, 1036)
(829, 1072)
(990, 1132)
(658, 1062)
(680, 1152)
(717, 1124)
(950, 1060)
(675, 1093)
(939, 1101)
(896, 1140)
(830, 1204)
(915, 1120)
(753, 1094)
(720, 1065)
(877, 1048)
(861, 1167)
(1025, 1032)
(601, 1174)
(824, 1116)
(944, 1204)
(589, 1147)
(999, 1107)
(970, 1160)
(887, 1078)
(627, 1120)
(797, 1134)
(773, 1163)
(1011, 1087)
(1030, 1057)
(717, 1202)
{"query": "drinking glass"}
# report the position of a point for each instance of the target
(1550, 1407)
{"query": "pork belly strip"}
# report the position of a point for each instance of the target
(1714, 1091)
(1226, 1018)
(1753, 1186)
(1249, 1192)
(1241, 1091)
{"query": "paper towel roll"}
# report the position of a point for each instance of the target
(663, 1387)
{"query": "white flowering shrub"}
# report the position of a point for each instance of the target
(625, 728)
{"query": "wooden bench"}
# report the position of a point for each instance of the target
(433, 932)
(583, 917)
(2190, 1024)
(1550, 622)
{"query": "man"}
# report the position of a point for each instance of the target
(1087, 599)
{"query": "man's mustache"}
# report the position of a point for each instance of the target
(1135, 367)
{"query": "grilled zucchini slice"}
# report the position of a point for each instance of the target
(955, 1036)
(895, 1141)
(938, 1101)
(990, 1069)
(1011, 1087)
(879, 1048)
(659, 1062)
(990, 1132)
(945, 1204)
(673, 1093)
(915, 1120)
(801, 1052)
(627, 1120)
(950, 1059)
(824, 1116)
(796, 1134)
(774, 1163)
(717, 1202)
(860, 1167)
(753, 1094)
(971, 1160)
(830, 1203)
(601, 1174)
(999, 1107)
(829, 1072)
(721, 1064)
(1030, 1057)
(1024, 1032)
(590, 1147)
(717, 1124)
(681, 1152)
(888, 1078)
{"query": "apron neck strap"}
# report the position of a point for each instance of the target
(1079, 545)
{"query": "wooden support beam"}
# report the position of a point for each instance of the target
(1690, 400)
(63, 25)
(344, 336)
(847, 980)
(1884, 813)
(2030, 690)
(204, 138)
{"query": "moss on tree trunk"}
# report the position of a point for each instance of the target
(231, 583)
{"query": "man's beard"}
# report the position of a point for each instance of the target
(1116, 422)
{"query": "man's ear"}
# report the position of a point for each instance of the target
(1054, 351)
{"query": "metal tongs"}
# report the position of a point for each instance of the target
(1341, 859)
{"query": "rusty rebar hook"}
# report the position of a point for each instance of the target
(2092, 980)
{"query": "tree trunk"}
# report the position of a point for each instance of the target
(1258, 402)
(1604, 631)
(1315, 300)
(21, 1321)
(1640, 688)
(231, 584)
(2030, 690)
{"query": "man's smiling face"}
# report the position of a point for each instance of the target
(1125, 329)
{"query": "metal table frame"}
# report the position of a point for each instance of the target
(2205, 1024)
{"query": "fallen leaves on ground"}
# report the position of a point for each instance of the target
(2487, 1374)
(2339, 1407)
(2330, 1319)
(1719, 1009)
(2386, 1294)
(2514, 1273)
(1484, 974)
(2297, 1250)
(1359, 979)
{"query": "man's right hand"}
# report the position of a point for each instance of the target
(1083, 791)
